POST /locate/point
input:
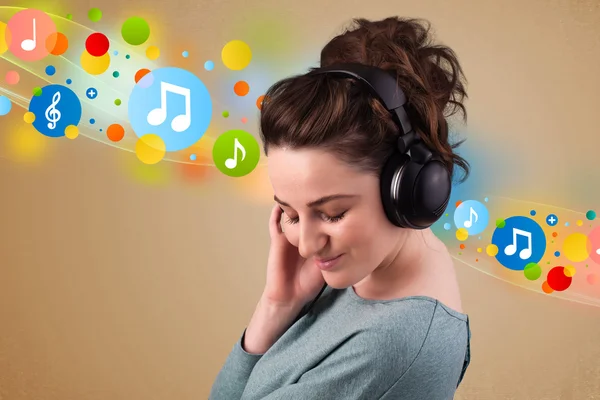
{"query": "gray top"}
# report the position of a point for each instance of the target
(346, 347)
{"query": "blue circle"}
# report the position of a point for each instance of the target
(193, 157)
(91, 93)
(100, 129)
(557, 253)
(116, 53)
(55, 109)
(486, 199)
(5, 105)
(447, 226)
(519, 234)
(69, 81)
(552, 220)
(209, 65)
(185, 54)
(566, 224)
(532, 213)
(92, 121)
(50, 70)
(471, 215)
(161, 107)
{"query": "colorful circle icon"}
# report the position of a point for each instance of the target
(55, 109)
(520, 241)
(172, 103)
(552, 220)
(31, 35)
(91, 93)
(236, 153)
(471, 215)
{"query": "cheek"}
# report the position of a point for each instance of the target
(292, 234)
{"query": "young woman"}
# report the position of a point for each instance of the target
(361, 299)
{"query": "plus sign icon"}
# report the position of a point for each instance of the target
(91, 93)
(552, 220)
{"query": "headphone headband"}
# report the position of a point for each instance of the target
(384, 86)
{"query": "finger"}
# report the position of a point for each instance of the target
(275, 221)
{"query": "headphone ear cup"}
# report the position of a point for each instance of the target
(431, 185)
(390, 181)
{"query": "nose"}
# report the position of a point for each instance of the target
(311, 240)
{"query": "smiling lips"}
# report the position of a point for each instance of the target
(327, 263)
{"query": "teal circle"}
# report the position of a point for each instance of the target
(245, 149)
(590, 215)
(135, 31)
(116, 74)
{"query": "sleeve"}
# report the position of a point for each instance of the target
(231, 380)
(364, 367)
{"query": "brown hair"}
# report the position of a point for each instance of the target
(336, 115)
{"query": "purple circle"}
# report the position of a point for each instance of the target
(146, 81)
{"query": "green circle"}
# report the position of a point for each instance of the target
(532, 271)
(227, 148)
(500, 223)
(118, 102)
(225, 114)
(116, 74)
(135, 31)
(69, 16)
(37, 91)
(95, 14)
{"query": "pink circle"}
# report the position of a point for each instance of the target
(594, 245)
(29, 30)
(12, 77)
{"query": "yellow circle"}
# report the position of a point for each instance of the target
(491, 250)
(579, 222)
(462, 234)
(29, 117)
(570, 271)
(152, 52)
(575, 247)
(3, 44)
(71, 132)
(94, 65)
(236, 55)
(479, 250)
(150, 149)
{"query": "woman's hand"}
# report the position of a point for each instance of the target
(292, 281)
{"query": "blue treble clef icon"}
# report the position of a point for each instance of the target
(52, 113)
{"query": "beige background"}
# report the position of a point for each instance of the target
(111, 289)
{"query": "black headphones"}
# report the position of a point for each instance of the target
(415, 183)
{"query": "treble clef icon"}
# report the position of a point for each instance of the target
(52, 113)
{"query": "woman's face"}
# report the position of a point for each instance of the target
(332, 210)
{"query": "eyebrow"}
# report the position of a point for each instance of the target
(319, 202)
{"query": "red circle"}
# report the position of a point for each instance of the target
(557, 279)
(97, 44)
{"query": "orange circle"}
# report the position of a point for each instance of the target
(462, 246)
(115, 132)
(458, 203)
(241, 88)
(259, 102)
(57, 43)
(546, 288)
(140, 74)
(554, 234)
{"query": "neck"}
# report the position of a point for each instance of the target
(404, 266)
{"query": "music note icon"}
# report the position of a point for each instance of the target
(158, 116)
(231, 163)
(472, 213)
(30, 44)
(512, 248)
